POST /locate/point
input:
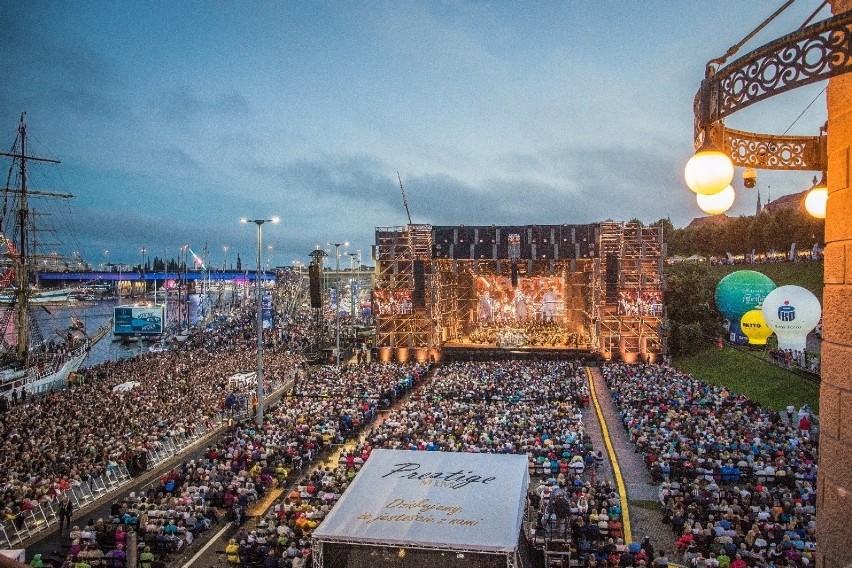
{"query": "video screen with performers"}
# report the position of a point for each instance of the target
(531, 314)
(640, 302)
(391, 302)
(534, 299)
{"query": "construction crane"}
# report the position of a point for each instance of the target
(404, 199)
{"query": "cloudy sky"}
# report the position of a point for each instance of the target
(175, 119)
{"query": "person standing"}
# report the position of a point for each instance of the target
(66, 508)
(791, 414)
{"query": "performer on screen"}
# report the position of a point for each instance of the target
(551, 304)
(486, 308)
(520, 305)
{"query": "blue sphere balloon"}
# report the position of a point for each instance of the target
(740, 292)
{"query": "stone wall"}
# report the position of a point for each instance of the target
(834, 486)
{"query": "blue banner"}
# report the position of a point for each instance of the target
(266, 310)
(193, 308)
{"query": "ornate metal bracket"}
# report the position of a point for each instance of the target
(812, 54)
(770, 152)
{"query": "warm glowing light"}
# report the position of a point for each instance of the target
(816, 201)
(717, 203)
(709, 171)
(817, 198)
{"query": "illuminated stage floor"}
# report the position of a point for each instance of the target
(459, 351)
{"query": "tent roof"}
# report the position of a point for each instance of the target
(448, 500)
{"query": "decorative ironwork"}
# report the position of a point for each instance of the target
(812, 54)
(769, 152)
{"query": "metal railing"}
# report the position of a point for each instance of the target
(43, 515)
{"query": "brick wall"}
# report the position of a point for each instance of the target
(834, 485)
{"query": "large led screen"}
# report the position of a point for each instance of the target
(537, 298)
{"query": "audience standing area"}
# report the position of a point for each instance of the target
(428, 509)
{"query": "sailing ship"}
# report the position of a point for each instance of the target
(27, 359)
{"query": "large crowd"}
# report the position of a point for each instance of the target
(54, 442)
(496, 407)
(242, 467)
(737, 481)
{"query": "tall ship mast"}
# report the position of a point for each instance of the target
(26, 363)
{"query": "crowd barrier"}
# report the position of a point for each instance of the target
(43, 515)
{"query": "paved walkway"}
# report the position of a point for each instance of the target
(645, 516)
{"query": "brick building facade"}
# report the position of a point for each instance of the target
(834, 489)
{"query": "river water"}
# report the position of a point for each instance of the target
(94, 315)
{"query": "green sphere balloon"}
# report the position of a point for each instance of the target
(740, 292)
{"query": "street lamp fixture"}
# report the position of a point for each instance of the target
(717, 203)
(811, 54)
(817, 198)
(709, 171)
(259, 223)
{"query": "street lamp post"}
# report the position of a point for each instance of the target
(259, 223)
(337, 305)
(353, 282)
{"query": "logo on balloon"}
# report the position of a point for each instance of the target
(786, 312)
(791, 312)
(738, 293)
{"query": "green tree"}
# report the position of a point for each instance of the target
(691, 308)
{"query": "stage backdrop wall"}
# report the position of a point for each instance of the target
(444, 500)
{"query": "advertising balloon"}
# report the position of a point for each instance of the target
(791, 312)
(738, 293)
(754, 327)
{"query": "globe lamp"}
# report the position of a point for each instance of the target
(709, 171)
(817, 198)
(716, 203)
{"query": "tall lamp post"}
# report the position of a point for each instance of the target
(259, 223)
(353, 282)
(337, 305)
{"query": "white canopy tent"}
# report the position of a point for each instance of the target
(432, 501)
(242, 381)
(124, 387)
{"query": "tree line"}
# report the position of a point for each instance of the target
(741, 235)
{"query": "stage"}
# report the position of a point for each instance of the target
(552, 291)
(458, 351)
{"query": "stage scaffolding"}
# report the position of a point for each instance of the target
(611, 274)
(624, 324)
(398, 253)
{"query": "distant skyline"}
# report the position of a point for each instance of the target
(175, 119)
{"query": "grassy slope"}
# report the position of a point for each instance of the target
(746, 373)
(805, 274)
